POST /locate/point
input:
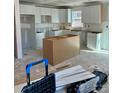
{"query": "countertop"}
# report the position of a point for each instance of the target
(59, 29)
(75, 30)
(89, 31)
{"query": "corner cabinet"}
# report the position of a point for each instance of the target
(92, 14)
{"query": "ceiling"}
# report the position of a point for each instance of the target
(70, 3)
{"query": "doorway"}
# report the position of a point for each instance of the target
(27, 32)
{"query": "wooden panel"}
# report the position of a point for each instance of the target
(65, 48)
(48, 50)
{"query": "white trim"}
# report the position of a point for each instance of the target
(18, 30)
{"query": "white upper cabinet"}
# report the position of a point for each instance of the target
(91, 14)
(63, 15)
(45, 11)
(37, 15)
(27, 9)
(86, 15)
(55, 15)
(59, 15)
(41, 11)
(96, 14)
(38, 10)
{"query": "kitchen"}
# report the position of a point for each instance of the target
(88, 20)
(67, 33)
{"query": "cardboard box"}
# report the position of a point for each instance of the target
(60, 48)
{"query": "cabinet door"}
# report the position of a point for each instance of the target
(91, 40)
(69, 15)
(86, 16)
(27, 9)
(37, 15)
(55, 16)
(39, 39)
(45, 11)
(91, 14)
(95, 14)
(62, 15)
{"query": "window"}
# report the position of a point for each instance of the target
(76, 19)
